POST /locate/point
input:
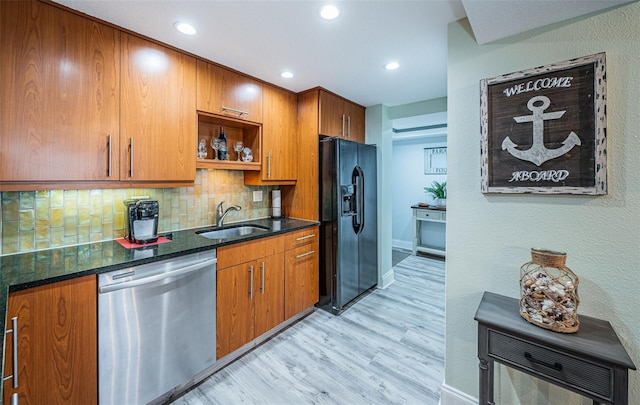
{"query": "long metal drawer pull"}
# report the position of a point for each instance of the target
(110, 156)
(305, 237)
(269, 165)
(14, 331)
(349, 126)
(305, 254)
(239, 112)
(251, 283)
(131, 158)
(556, 366)
(14, 399)
(262, 278)
(342, 134)
(151, 279)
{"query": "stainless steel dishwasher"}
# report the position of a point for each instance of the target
(156, 327)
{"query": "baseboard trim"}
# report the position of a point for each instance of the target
(452, 396)
(401, 244)
(387, 279)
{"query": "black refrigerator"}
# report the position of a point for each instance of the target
(348, 215)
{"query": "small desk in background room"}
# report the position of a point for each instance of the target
(591, 362)
(422, 215)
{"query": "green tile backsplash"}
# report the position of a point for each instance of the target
(36, 220)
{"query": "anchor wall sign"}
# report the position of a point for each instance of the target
(544, 129)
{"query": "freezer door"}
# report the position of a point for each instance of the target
(347, 247)
(368, 237)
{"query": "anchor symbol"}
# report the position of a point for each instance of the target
(538, 153)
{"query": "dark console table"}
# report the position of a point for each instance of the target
(591, 362)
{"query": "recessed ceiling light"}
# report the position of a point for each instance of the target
(392, 65)
(185, 28)
(286, 74)
(329, 12)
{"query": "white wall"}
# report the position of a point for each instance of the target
(378, 132)
(489, 236)
(407, 188)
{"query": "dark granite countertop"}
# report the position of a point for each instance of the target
(47, 266)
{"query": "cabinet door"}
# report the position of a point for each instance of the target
(57, 343)
(222, 91)
(269, 294)
(301, 279)
(279, 140)
(332, 117)
(159, 120)
(355, 122)
(235, 307)
(59, 103)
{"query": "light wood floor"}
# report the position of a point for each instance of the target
(388, 348)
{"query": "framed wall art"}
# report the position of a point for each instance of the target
(544, 129)
(435, 160)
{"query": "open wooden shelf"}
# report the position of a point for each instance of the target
(226, 164)
(236, 130)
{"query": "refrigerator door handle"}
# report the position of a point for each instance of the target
(358, 218)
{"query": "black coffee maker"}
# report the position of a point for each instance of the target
(142, 220)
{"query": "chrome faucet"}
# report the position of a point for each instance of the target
(220, 213)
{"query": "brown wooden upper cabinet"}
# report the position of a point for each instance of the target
(60, 97)
(340, 117)
(224, 92)
(84, 105)
(280, 144)
(158, 114)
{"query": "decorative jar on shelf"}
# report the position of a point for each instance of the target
(549, 292)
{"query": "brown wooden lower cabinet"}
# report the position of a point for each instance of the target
(301, 271)
(269, 296)
(250, 295)
(56, 341)
(260, 285)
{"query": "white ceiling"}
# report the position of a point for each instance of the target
(345, 55)
(492, 20)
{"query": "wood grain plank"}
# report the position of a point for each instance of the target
(387, 348)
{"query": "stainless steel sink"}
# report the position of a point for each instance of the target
(232, 231)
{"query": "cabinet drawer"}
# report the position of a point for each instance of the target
(431, 215)
(547, 363)
(301, 238)
(247, 251)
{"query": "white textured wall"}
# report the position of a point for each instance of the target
(489, 236)
(408, 186)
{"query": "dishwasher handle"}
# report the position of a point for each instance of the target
(151, 279)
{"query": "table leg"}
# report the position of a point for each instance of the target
(416, 233)
(486, 382)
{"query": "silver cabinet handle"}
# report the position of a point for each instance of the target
(349, 126)
(262, 278)
(305, 237)
(14, 376)
(131, 158)
(305, 254)
(239, 112)
(110, 156)
(342, 134)
(269, 165)
(14, 399)
(251, 283)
